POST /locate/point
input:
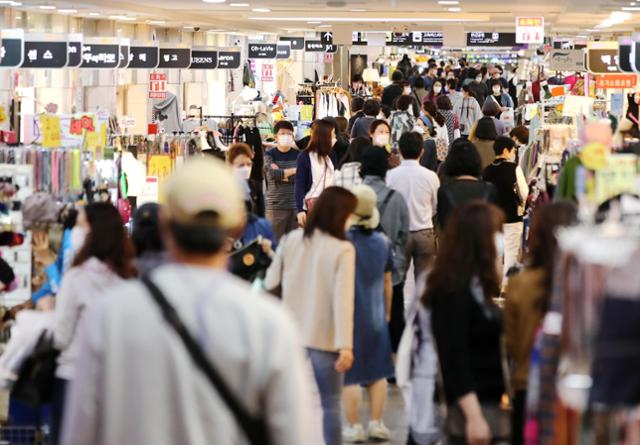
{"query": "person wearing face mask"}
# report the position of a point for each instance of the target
(406, 88)
(468, 110)
(502, 99)
(380, 134)
(513, 191)
(496, 74)
(280, 171)
(361, 126)
(477, 86)
(104, 258)
(437, 90)
(240, 159)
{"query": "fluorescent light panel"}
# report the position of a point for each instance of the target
(365, 19)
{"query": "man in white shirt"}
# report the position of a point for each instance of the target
(138, 384)
(419, 187)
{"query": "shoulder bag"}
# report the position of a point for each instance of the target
(255, 428)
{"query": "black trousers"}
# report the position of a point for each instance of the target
(57, 410)
(518, 417)
(396, 325)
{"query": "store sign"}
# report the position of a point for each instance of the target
(46, 53)
(506, 39)
(331, 48)
(144, 57)
(11, 48)
(625, 46)
(417, 38)
(150, 191)
(617, 81)
(283, 52)
(124, 53)
(358, 38)
(314, 46)
(602, 58)
(326, 37)
(100, 54)
(267, 72)
(530, 30)
(566, 60)
(328, 58)
(204, 59)
(157, 86)
(229, 60)
(175, 58)
(297, 43)
(74, 50)
(262, 51)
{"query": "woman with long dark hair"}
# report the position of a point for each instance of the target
(451, 120)
(467, 325)
(315, 168)
(104, 259)
(528, 295)
(315, 269)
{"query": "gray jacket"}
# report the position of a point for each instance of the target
(394, 220)
(361, 127)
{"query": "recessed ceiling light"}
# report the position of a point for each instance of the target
(47, 7)
(358, 10)
(155, 22)
(314, 22)
(261, 10)
(368, 19)
(94, 14)
(187, 27)
(324, 26)
(67, 11)
(124, 18)
(214, 1)
(454, 9)
(632, 4)
(215, 30)
(627, 8)
(239, 5)
(10, 3)
(448, 2)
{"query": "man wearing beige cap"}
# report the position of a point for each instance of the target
(141, 381)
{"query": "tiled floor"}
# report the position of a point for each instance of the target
(394, 417)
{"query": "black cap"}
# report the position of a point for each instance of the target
(374, 162)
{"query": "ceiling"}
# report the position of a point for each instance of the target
(562, 17)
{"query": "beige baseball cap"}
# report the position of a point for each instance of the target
(204, 192)
(366, 213)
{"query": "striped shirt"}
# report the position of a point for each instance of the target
(281, 194)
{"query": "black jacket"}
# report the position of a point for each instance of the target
(390, 94)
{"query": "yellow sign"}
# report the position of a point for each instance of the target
(618, 176)
(594, 155)
(50, 129)
(160, 166)
(3, 114)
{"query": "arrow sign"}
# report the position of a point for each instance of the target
(326, 37)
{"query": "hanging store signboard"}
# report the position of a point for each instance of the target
(45, 51)
(297, 43)
(625, 46)
(229, 60)
(100, 53)
(326, 37)
(418, 38)
(530, 30)
(358, 38)
(566, 60)
(157, 86)
(617, 81)
(144, 57)
(204, 59)
(314, 46)
(602, 58)
(74, 50)
(283, 52)
(11, 48)
(506, 39)
(124, 53)
(175, 58)
(330, 48)
(262, 51)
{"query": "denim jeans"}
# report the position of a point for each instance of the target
(329, 383)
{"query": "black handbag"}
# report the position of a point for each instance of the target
(254, 427)
(34, 386)
(250, 261)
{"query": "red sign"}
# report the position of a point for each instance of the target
(157, 86)
(619, 81)
(530, 30)
(267, 72)
(83, 123)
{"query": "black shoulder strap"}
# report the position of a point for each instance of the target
(254, 428)
(385, 203)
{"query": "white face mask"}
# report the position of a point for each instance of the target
(77, 238)
(407, 91)
(497, 89)
(499, 241)
(381, 140)
(479, 79)
(512, 156)
(243, 173)
(285, 140)
(437, 89)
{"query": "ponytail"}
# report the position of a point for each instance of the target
(440, 119)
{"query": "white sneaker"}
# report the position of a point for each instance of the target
(354, 434)
(377, 431)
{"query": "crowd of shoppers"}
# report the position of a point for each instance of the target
(433, 185)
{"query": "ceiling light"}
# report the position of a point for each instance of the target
(155, 22)
(187, 27)
(239, 5)
(367, 19)
(47, 7)
(448, 2)
(215, 30)
(627, 8)
(124, 18)
(324, 26)
(315, 22)
(214, 1)
(454, 9)
(581, 37)
(261, 10)
(358, 10)
(67, 11)
(632, 3)
(10, 3)
(94, 14)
